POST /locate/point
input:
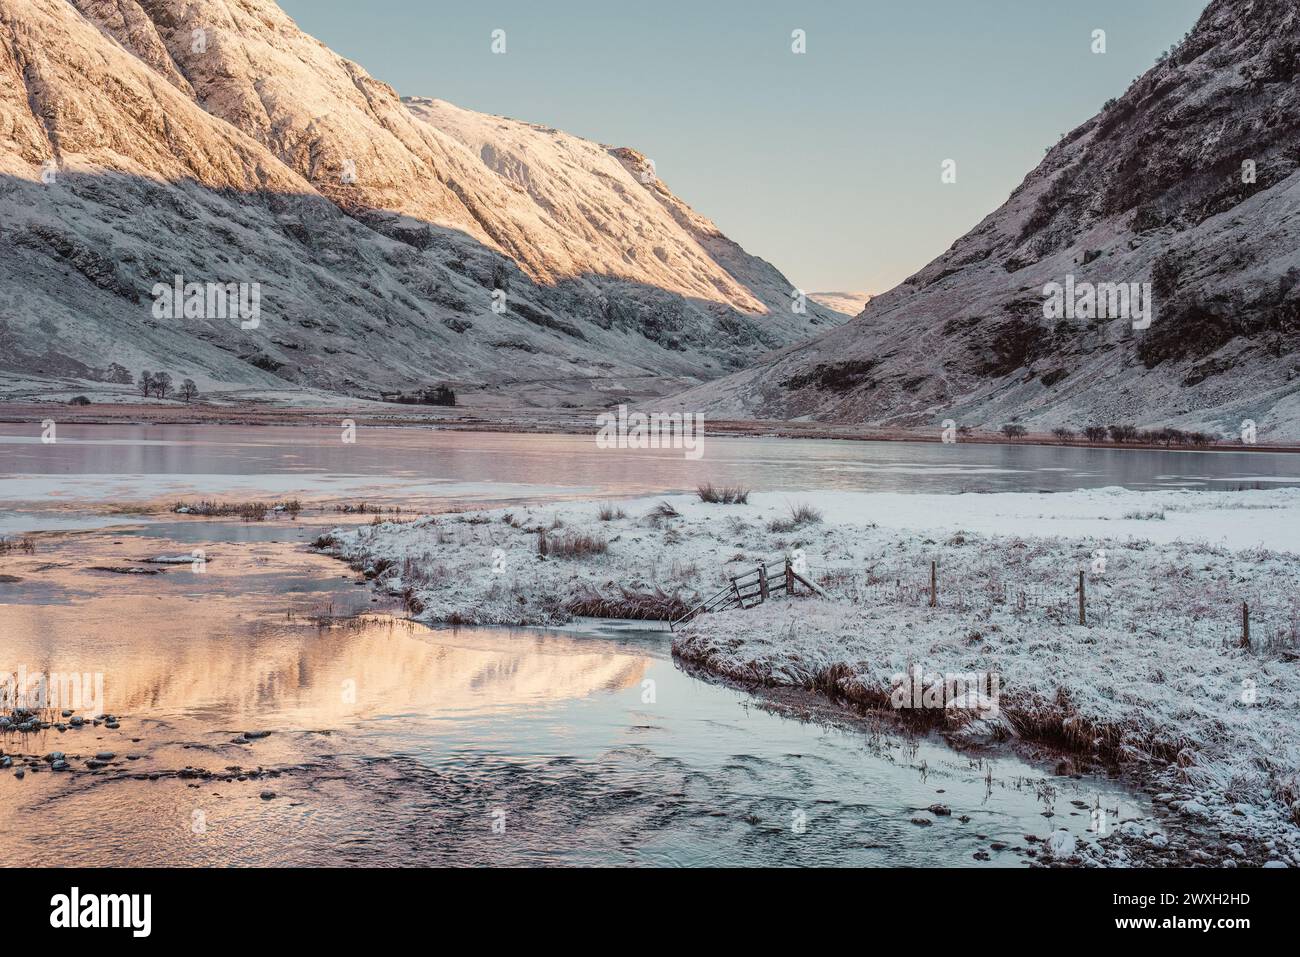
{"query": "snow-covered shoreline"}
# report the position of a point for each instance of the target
(1155, 681)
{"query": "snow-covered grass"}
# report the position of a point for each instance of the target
(1158, 680)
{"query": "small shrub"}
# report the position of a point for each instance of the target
(800, 515)
(609, 513)
(1063, 434)
(1013, 431)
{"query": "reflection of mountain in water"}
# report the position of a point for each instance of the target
(312, 677)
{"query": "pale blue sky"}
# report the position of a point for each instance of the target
(826, 164)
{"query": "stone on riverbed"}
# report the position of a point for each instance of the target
(1061, 844)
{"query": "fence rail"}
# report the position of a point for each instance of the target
(752, 589)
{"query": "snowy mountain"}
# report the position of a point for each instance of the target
(845, 303)
(1190, 181)
(394, 243)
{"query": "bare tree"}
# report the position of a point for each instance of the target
(146, 383)
(189, 390)
(162, 383)
(1120, 434)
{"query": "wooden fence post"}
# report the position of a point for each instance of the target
(762, 581)
(1245, 625)
(789, 578)
(934, 584)
(1083, 620)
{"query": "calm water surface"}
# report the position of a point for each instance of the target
(424, 467)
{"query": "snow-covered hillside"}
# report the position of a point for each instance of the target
(1189, 182)
(145, 139)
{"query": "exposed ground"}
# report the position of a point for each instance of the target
(33, 402)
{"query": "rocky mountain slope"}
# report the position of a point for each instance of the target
(396, 243)
(1188, 181)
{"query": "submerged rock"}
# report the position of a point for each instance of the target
(1061, 844)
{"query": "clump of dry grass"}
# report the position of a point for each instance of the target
(609, 512)
(663, 510)
(394, 520)
(248, 511)
(722, 495)
(657, 605)
(571, 545)
(800, 515)
(365, 508)
(24, 545)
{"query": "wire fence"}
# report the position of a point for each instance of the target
(1245, 614)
